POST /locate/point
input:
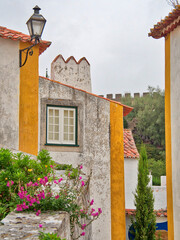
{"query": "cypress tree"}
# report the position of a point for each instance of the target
(145, 219)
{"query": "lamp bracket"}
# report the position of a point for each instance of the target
(26, 51)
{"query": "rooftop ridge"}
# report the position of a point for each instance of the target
(166, 25)
(15, 36)
(126, 109)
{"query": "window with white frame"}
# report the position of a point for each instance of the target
(61, 125)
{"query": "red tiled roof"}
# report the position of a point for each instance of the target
(18, 36)
(167, 25)
(130, 150)
(159, 213)
(66, 61)
(126, 109)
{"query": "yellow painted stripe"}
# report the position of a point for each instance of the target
(118, 222)
(28, 108)
(168, 139)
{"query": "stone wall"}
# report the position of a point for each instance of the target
(26, 225)
(94, 149)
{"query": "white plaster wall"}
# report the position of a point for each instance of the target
(131, 171)
(160, 198)
(95, 153)
(71, 73)
(175, 125)
(131, 178)
(9, 93)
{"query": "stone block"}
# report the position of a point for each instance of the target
(26, 225)
(118, 97)
(127, 95)
(136, 95)
(109, 96)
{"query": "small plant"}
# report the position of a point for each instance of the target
(44, 157)
(159, 236)
(64, 167)
(5, 158)
(49, 236)
(156, 181)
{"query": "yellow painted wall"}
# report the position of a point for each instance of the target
(168, 138)
(28, 109)
(118, 225)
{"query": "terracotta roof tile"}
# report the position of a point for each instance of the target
(15, 35)
(167, 25)
(130, 150)
(159, 213)
(126, 109)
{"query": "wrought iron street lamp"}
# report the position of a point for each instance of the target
(35, 25)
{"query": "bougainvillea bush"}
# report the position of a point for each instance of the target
(17, 170)
(59, 194)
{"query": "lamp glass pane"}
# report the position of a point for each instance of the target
(29, 27)
(37, 27)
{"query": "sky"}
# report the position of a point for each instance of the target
(112, 35)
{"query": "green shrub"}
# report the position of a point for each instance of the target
(44, 157)
(145, 220)
(64, 167)
(16, 170)
(49, 236)
(5, 158)
(156, 181)
(157, 168)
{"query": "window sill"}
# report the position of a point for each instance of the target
(63, 145)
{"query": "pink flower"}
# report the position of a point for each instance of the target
(36, 184)
(69, 174)
(46, 179)
(8, 184)
(38, 212)
(81, 210)
(19, 208)
(99, 210)
(51, 166)
(60, 179)
(83, 226)
(29, 184)
(83, 233)
(40, 225)
(92, 201)
(82, 184)
(80, 178)
(55, 182)
(57, 196)
(92, 210)
(12, 182)
(95, 214)
(81, 166)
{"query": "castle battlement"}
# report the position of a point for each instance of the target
(119, 96)
(72, 72)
